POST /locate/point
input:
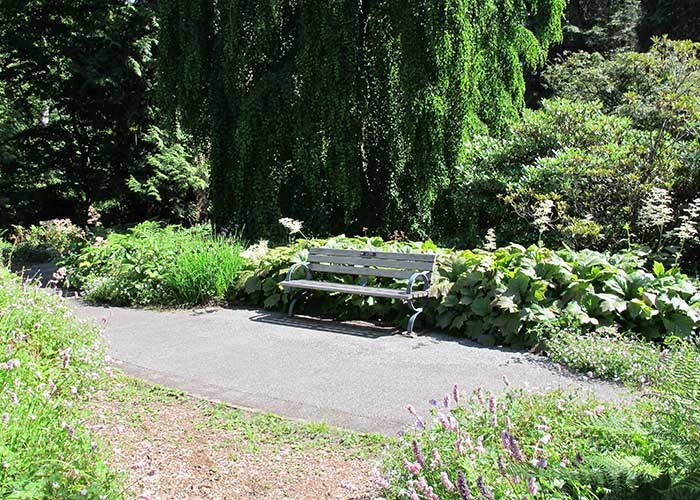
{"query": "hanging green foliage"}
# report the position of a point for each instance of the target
(346, 114)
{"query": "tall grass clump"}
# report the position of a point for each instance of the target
(50, 365)
(154, 265)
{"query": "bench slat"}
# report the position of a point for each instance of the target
(411, 257)
(372, 261)
(361, 271)
(353, 289)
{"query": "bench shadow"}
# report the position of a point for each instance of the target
(366, 330)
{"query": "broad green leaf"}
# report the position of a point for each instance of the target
(480, 306)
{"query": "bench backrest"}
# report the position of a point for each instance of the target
(369, 263)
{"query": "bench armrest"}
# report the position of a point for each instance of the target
(296, 266)
(424, 277)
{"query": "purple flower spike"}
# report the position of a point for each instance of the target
(446, 401)
(492, 404)
(462, 486)
(515, 450)
(501, 467)
(480, 395)
(455, 393)
(505, 440)
(485, 492)
(420, 458)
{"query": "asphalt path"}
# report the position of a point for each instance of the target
(354, 376)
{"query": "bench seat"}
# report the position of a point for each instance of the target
(413, 268)
(326, 286)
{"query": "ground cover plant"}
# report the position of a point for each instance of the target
(50, 366)
(155, 265)
(609, 353)
(554, 445)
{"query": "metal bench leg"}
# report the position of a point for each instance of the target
(293, 303)
(412, 319)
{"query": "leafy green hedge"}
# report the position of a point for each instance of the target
(495, 297)
(50, 365)
(156, 265)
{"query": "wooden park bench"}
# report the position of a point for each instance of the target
(401, 266)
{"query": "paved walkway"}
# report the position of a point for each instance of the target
(350, 376)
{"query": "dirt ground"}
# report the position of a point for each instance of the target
(170, 446)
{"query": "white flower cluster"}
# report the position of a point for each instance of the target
(656, 211)
(688, 230)
(255, 253)
(292, 225)
(490, 240)
(543, 215)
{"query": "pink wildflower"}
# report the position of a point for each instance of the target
(492, 404)
(437, 460)
(446, 401)
(5, 418)
(13, 397)
(412, 494)
(532, 486)
(455, 393)
(446, 482)
(454, 425)
(480, 445)
(546, 438)
(378, 479)
(480, 395)
(467, 440)
(412, 467)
